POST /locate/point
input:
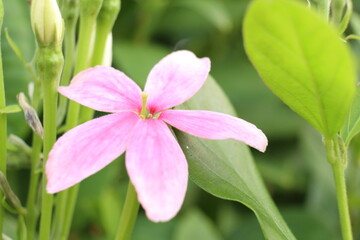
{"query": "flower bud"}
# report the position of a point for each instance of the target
(47, 22)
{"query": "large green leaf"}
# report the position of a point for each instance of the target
(302, 59)
(226, 169)
(352, 124)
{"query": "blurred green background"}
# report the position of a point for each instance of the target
(294, 166)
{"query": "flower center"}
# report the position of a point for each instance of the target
(144, 114)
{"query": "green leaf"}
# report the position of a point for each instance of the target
(10, 109)
(196, 225)
(302, 59)
(226, 169)
(352, 124)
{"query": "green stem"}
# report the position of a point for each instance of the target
(50, 106)
(104, 24)
(67, 199)
(339, 175)
(128, 215)
(50, 61)
(31, 205)
(86, 28)
(70, 207)
(338, 160)
(32, 215)
(69, 41)
(3, 123)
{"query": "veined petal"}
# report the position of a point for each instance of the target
(175, 79)
(87, 148)
(104, 89)
(213, 125)
(158, 169)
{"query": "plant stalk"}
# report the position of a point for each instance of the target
(49, 62)
(3, 123)
(337, 157)
(128, 214)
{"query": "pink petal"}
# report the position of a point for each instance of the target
(104, 89)
(175, 79)
(158, 169)
(213, 125)
(87, 148)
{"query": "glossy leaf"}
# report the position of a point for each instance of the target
(302, 59)
(225, 168)
(352, 124)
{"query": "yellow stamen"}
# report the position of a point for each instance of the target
(144, 111)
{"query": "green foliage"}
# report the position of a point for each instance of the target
(351, 126)
(226, 168)
(302, 60)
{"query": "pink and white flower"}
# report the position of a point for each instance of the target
(154, 161)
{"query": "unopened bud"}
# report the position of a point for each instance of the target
(47, 22)
(31, 116)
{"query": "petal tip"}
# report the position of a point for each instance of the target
(261, 143)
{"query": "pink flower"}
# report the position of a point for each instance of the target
(154, 160)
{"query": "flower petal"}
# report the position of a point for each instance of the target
(104, 89)
(158, 169)
(87, 148)
(213, 125)
(175, 79)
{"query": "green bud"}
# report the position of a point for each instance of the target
(90, 8)
(109, 11)
(49, 64)
(70, 11)
(47, 22)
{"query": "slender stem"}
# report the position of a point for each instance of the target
(49, 62)
(3, 123)
(128, 214)
(86, 28)
(337, 157)
(70, 206)
(60, 210)
(69, 40)
(50, 106)
(67, 199)
(32, 215)
(100, 45)
(339, 176)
